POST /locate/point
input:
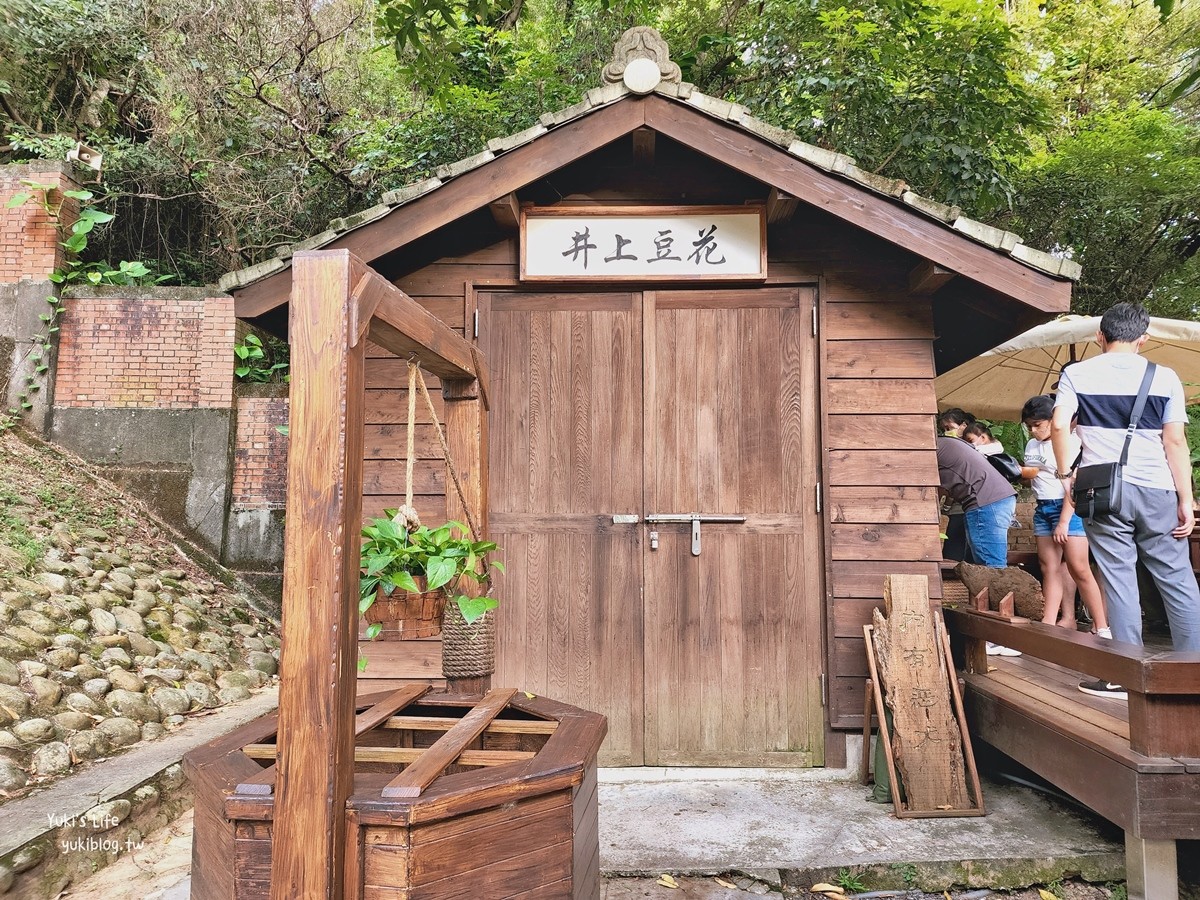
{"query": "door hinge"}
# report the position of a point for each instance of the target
(475, 327)
(824, 702)
(818, 493)
(814, 320)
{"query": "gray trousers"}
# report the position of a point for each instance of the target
(1142, 530)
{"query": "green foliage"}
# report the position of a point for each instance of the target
(926, 91)
(1121, 195)
(392, 554)
(1117, 890)
(256, 362)
(849, 881)
(908, 872)
(231, 127)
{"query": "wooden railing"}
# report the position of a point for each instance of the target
(1163, 687)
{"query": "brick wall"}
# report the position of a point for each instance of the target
(170, 350)
(1022, 538)
(260, 454)
(29, 236)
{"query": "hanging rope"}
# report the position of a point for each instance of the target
(462, 497)
(468, 651)
(413, 371)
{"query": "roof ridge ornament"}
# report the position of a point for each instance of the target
(641, 60)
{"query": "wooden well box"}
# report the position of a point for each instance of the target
(453, 796)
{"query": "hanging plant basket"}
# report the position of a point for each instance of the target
(405, 615)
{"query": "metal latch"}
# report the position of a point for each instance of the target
(695, 519)
(625, 520)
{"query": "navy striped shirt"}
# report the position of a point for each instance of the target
(1102, 391)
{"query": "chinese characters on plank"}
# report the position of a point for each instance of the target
(705, 249)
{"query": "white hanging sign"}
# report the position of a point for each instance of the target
(674, 243)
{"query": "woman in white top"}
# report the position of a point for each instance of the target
(1062, 545)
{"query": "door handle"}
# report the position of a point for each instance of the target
(695, 519)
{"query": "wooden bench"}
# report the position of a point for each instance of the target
(1136, 763)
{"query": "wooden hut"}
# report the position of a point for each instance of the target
(712, 350)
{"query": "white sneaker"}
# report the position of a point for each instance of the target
(997, 650)
(1103, 632)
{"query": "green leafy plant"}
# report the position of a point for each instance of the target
(259, 363)
(1117, 890)
(394, 556)
(849, 881)
(907, 872)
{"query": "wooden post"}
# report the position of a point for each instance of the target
(466, 436)
(320, 581)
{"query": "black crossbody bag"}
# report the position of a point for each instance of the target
(1097, 490)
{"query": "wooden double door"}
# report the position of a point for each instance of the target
(705, 648)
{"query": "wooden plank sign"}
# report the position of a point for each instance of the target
(926, 740)
(669, 243)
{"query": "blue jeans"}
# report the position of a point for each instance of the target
(987, 531)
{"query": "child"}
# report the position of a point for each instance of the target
(981, 436)
(1059, 540)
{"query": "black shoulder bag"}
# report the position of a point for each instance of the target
(1097, 490)
(1006, 466)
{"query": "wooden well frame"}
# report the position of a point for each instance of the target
(312, 803)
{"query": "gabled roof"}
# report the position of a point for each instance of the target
(831, 181)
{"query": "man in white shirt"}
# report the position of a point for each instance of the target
(1156, 514)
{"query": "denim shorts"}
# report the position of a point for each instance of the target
(1046, 516)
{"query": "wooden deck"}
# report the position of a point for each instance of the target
(1134, 762)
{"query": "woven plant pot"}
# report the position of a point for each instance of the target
(405, 615)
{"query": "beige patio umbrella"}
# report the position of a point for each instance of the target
(997, 384)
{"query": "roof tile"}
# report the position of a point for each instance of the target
(1047, 262)
(820, 157)
(410, 191)
(558, 117)
(891, 187)
(361, 218)
(940, 211)
(312, 243)
(512, 141)
(682, 90)
(722, 109)
(987, 234)
(231, 280)
(763, 129)
(465, 165)
(607, 94)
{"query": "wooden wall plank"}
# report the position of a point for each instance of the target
(860, 431)
(879, 505)
(886, 542)
(879, 359)
(867, 321)
(882, 467)
(896, 395)
(864, 578)
(446, 278)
